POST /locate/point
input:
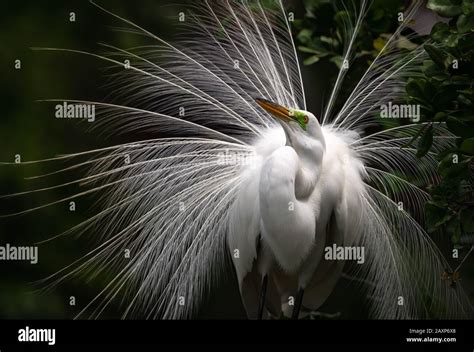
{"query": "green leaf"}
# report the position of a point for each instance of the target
(453, 228)
(437, 55)
(425, 106)
(425, 143)
(429, 90)
(440, 31)
(434, 212)
(416, 87)
(467, 146)
(467, 7)
(311, 60)
(458, 127)
(445, 8)
(452, 40)
(328, 40)
(461, 80)
(444, 97)
(314, 51)
(415, 137)
(441, 34)
(448, 169)
(342, 18)
(434, 71)
(443, 220)
(468, 91)
(440, 78)
(317, 44)
(463, 100)
(465, 23)
(440, 116)
(379, 43)
(338, 60)
(466, 45)
(305, 35)
(305, 49)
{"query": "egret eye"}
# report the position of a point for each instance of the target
(306, 119)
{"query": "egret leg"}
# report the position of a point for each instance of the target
(263, 293)
(298, 303)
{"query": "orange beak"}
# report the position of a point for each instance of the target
(275, 110)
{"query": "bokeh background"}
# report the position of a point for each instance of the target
(29, 128)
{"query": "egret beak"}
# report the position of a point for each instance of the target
(282, 113)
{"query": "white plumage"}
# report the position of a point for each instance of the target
(302, 192)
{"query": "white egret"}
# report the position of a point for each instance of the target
(229, 178)
(307, 193)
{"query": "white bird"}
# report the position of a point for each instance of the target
(300, 197)
(228, 180)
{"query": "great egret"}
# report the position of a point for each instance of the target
(304, 192)
(229, 178)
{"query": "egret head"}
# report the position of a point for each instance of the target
(296, 123)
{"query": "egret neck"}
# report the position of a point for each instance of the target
(310, 151)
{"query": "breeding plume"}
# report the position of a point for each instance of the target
(240, 172)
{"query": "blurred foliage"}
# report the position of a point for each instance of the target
(322, 32)
(446, 93)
